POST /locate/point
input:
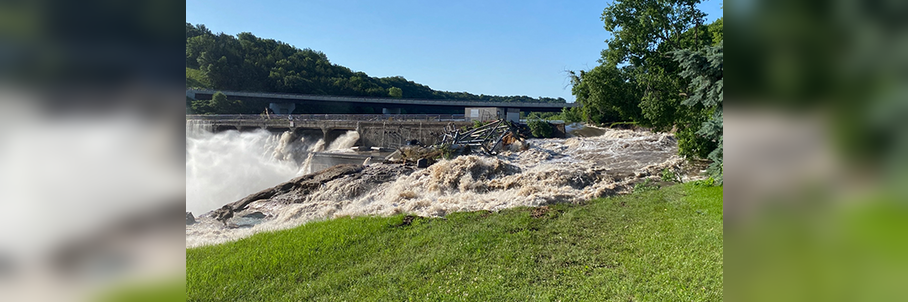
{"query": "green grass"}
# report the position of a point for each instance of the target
(149, 290)
(662, 245)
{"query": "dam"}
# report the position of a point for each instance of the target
(380, 131)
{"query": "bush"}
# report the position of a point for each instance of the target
(645, 186)
(669, 176)
(572, 115)
(478, 123)
(709, 182)
(541, 129)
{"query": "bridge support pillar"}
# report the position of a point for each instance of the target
(326, 137)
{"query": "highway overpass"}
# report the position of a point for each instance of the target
(309, 104)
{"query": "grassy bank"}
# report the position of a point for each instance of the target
(663, 245)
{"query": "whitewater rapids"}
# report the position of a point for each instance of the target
(550, 171)
(226, 166)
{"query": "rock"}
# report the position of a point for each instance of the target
(302, 185)
(256, 215)
(422, 163)
(223, 214)
(190, 220)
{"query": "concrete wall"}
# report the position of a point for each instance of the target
(483, 114)
(387, 134)
(396, 134)
(560, 131)
(513, 115)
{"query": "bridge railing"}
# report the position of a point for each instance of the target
(329, 117)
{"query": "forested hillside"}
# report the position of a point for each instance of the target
(248, 63)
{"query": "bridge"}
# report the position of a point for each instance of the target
(314, 104)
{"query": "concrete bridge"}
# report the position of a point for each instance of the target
(386, 131)
(303, 103)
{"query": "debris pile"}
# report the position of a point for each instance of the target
(489, 138)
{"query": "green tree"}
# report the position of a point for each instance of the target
(200, 107)
(644, 33)
(643, 77)
(395, 92)
(572, 114)
(606, 94)
(541, 128)
(704, 68)
(217, 105)
(717, 31)
(219, 101)
(644, 29)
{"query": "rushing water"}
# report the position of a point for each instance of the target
(225, 166)
(549, 171)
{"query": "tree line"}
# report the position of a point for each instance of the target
(248, 63)
(663, 69)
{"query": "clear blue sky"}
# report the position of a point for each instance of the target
(481, 47)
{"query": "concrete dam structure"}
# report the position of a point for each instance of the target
(374, 131)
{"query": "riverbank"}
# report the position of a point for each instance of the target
(663, 245)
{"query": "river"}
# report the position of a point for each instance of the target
(224, 167)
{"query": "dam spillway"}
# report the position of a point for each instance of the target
(383, 131)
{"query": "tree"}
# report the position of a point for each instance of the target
(218, 101)
(705, 70)
(572, 114)
(717, 31)
(644, 33)
(643, 29)
(395, 92)
(606, 94)
(541, 129)
(645, 77)
(217, 105)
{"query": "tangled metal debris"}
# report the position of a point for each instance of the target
(488, 138)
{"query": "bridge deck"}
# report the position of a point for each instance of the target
(390, 101)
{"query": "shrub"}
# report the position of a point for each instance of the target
(644, 186)
(477, 124)
(709, 182)
(541, 129)
(669, 176)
